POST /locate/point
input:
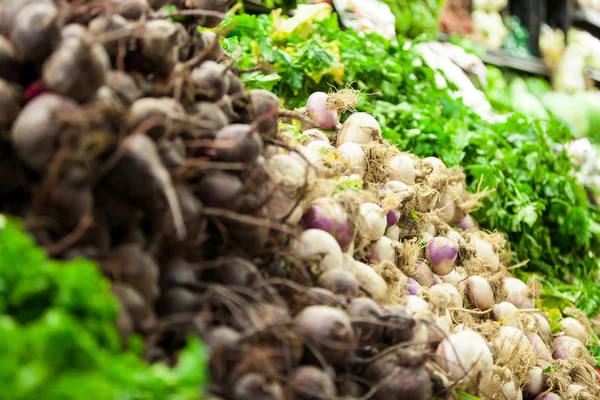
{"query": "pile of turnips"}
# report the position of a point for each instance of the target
(315, 260)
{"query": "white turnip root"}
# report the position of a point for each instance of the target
(374, 221)
(393, 232)
(485, 251)
(445, 295)
(402, 168)
(456, 238)
(535, 382)
(382, 250)
(422, 273)
(35, 132)
(574, 328)
(317, 242)
(457, 277)
(310, 135)
(339, 281)
(371, 281)
(511, 391)
(539, 347)
(316, 150)
(356, 156)
(542, 324)
(397, 186)
(466, 223)
(466, 354)
(359, 128)
(328, 214)
(416, 305)
(566, 347)
(447, 207)
(435, 163)
(479, 292)
(441, 253)
(413, 287)
(319, 113)
(518, 293)
(506, 314)
(549, 396)
(510, 342)
(326, 327)
(76, 69)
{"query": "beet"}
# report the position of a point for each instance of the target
(106, 25)
(157, 114)
(256, 387)
(308, 382)
(220, 189)
(404, 325)
(159, 45)
(124, 86)
(211, 114)
(263, 107)
(35, 133)
(11, 98)
(235, 271)
(209, 80)
(396, 382)
(9, 10)
(35, 32)
(340, 282)
(219, 6)
(176, 272)
(133, 302)
(371, 315)
(76, 69)
(130, 9)
(9, 66)
(239, 144)
(177, 300)
(73, 31)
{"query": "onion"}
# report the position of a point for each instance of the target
(356, 156)
(446, 295)
(359, 128)
(413, 287)
(573, 328)
(402, 168)
(539, 347)
(393, 232)
(374, 220)
(485, 251)
(479, 292)
(329, 215)
(466, 352)
(441, 253)
(316, 242)
(382, 250)
(518, 293)
(507, 314)
(322, 116)
(466, 223)
(422, 274)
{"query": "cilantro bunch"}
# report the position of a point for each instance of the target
(58, 338)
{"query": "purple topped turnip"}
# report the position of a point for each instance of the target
(441, 253)
(329, 215)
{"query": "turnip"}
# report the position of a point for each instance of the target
(573, 328)
(518, 293)
(246, 145)
(510, 343)
(549, 396)
(35, 132)
(535, 383)
(328, 328)
(340, 282)
(9, 66)
(466, 223)
(308, 382)
(479, 292)
(457, 277)
(364, 308)
(543, 326)
(437, 164)
(315, 151)
(507, 314)
(416, 305)
(413, 287)
(485, 251)
(35, 31)
(316, 242)
(456, 238)
(397, 187)
(445, 295)
(371, 281)
(539, 347)
(218, 6)
(310, 135)
(11, 98)
(76, 69)
(359, 128)
(382, 250)
(256, 386)
(322, 116)
(374, 221)
(329, 215)
(392, 217)
(441, 253)
(466, 354)
(575, 391)
(356, 156)
(402, 168)
(422, 274)
(567, 347)
(447, 207)
(393, 232)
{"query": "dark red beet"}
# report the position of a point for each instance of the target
(220, 189)
(35, 32)
(124, 86)
(105, 25)
(340, 282)
(130, 9)
(209, 80)
(308, 382)
(159, 45)
(211, 5)
(176, 301)
(11, 99)
(256, 387)
(263, 107)
(396, 382)
(9, 66)
(9, 11)
(240, 144)
(364, 308)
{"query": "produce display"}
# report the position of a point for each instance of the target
(202, 205)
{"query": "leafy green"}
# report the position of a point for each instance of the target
(536, 202)
(58, 337)
(417, 18)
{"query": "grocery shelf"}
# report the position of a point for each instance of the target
(500, 58)
(587, 19)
